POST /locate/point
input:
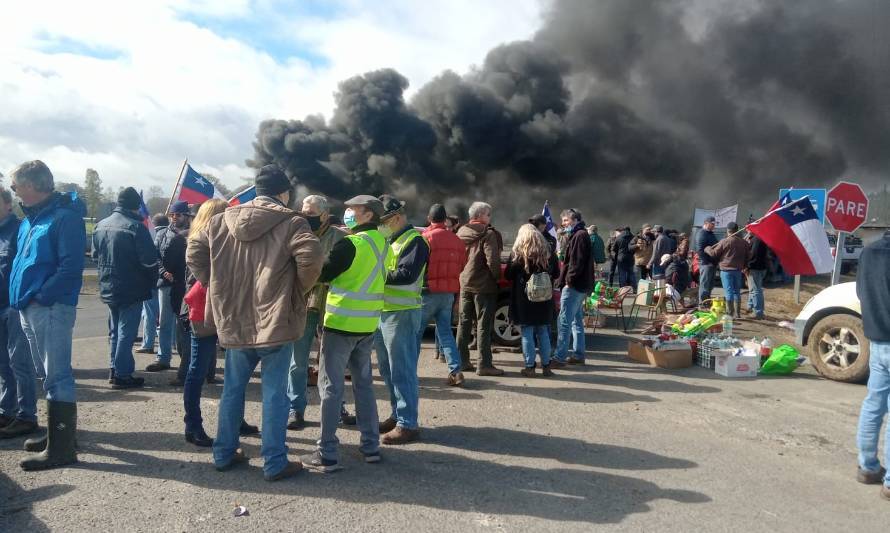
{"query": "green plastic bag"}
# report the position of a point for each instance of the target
(782, 361)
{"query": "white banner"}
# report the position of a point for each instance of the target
(723, 215)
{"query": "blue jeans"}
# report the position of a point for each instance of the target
(18, 396)
(874, 407)
(203, 353)
(705, 281)
(528, 344)
(732, 285)
(123, 325)
(571, 324)
(398, 349)
(240, 364)
(437, 306)
(755, 288)
(298, 375)
(150, 321)
(166, 325)
(49, 330)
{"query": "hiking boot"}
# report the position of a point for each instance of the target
(289, 470)
(489, 371)
(246, 430)
(127, 383)
(157, 366)
(372, 458)
(345, 418)
(871, 478)
(199, 438)
(18, 428)
(238, 458)
(546, 372)
(575, 361)
(556, 363)
(315, 461)
(387, 425)
(456, 379)
(296, 421)
(528, 372)
(400, 436)
(61, 427)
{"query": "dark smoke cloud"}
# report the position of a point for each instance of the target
(631, 110)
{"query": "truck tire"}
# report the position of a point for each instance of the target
(839, 349)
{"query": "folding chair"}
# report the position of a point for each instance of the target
(616, 305)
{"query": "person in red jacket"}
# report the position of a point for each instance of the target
(448, 255)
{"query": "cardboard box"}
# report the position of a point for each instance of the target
(636, 350)
(743, 366)
(680, 358)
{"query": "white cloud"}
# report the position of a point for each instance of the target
(129, 88)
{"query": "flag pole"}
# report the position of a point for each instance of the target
(764, 216)
(178, 181)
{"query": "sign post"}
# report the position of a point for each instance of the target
(846, 209)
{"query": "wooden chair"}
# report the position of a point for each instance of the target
(616, 305)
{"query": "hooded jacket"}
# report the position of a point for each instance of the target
(258, 261)
(52, 241)
(577, 270)
(448, 256)
(483, 269)
(127, 259)
(623, 252)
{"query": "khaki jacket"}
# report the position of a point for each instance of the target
(483, 269)
(319, 292)
(642, 249)
(258, 261)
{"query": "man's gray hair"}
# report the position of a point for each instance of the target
(5, 195)
(35, 173)
(572, 213)
(479, 208)
(318, 201)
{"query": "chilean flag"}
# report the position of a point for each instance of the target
(780, 202)
(796, 236)
(243, 197)
(551, 227)
(194, 188)
(146, 216)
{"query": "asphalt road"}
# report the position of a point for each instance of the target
(613, 445)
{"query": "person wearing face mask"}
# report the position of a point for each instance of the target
(396, 341)
(353, 306)
(317, 213)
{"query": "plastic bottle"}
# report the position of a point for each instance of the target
(766, 348)
(726, 321)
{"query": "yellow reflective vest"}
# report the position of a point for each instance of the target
(402, 297)
(355, 299)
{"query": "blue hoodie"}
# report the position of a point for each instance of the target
(9, 231)
(48, 268)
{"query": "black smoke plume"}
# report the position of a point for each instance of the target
(632, 110)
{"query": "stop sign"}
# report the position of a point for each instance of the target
(846, 206)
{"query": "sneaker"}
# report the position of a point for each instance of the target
(296, 421)
(157, 366)
(546, 372)
(127, 383)
(289, 470)
(387, 425)
(400, 436)
(372, 458)
(528, 372)
(316, 462)
(456, 379)
(18, 428)
(489, 371)
(871, 478)
(238, 458)
(575, 361)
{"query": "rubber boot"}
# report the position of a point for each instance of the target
(61, 430)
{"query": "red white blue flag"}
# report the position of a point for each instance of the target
(243, 197)
(194, 188)
(796, 236)
(551, 227)
(146, 216)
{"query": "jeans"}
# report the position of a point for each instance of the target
(398, 349)
(571, 324)
(437, 306)
(626, 277)
(705, 281)
(732, 285)
(298, 375)
(755, 286)
(337, 352)
(874, 407)
(240, 364)
(150, 321)
(203, 353)
(528, 344)
(18, 396)
(49, 330)
(166, 325)
(123, 325)
(480, 307)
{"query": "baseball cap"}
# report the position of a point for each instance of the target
(391, 206)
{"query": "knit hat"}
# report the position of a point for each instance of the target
(129, 199)
(271, 181)
(179, 208)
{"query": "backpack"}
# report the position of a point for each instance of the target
(539, 288)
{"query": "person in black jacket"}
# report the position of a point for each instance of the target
(171, 245)
(757, 269)
(128, 268)
(707, 267)
(624, 258)
(576, 281)
(531, 255)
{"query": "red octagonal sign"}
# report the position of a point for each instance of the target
(846, 206)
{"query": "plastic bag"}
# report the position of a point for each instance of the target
(781, 362)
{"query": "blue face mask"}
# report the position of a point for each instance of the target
(349, 219)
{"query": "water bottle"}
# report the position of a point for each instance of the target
(766, 348)
(726, 321)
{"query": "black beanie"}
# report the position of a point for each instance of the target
(129, 199)
(271, 181)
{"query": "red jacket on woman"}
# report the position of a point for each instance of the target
(448, 255)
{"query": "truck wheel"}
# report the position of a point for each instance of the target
(839, 349)
(505, 333)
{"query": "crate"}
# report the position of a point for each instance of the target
(704, 356)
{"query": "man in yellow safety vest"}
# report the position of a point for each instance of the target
(396, 341)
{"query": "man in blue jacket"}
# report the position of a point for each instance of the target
(18, 396)
(44, 285)
(128, 270)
